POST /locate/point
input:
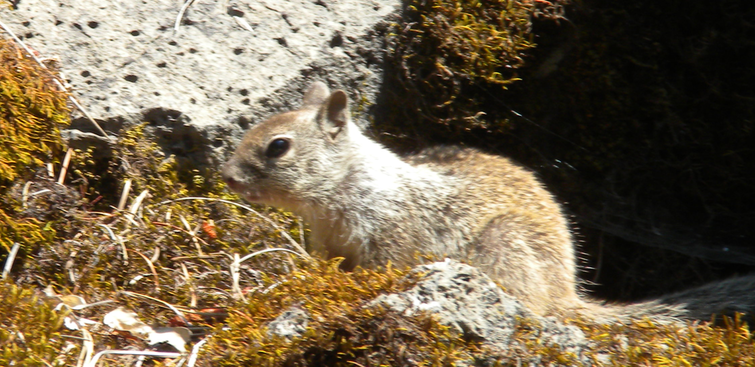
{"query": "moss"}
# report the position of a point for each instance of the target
(341, 332)
(177, 252)
(32, 109)
(529, 345)
(29, 330)
(449, 54)
(648, 344)
(139, 159)
(192, 228)
(27, 231)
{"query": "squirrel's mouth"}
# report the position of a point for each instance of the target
(234, 185)
(246, 192)
(252, 197)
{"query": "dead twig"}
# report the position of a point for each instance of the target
(124, 194)
(181, 230)
(178, 312)
(285, 234)
(64, 169)
(117, 239)
(195, 351)
(192, 289)
(10, 259)
(134, 208)
(193, 233)
(151, 268)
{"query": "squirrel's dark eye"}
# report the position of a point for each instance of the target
(277, 148)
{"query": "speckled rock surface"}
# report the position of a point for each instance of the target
(466, 300)
(228, 65)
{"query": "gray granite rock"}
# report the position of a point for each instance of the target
(463, 298)
(290, 324)
(228, 65)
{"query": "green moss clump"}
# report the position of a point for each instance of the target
(32, 109)
(470, 40)
(341, 332)
(447, 54)
(177, 252)
(29, 334)
(649, 344)
(138, 158)
(178, 229)
(26, 231)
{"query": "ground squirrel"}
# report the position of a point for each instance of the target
(370, 206)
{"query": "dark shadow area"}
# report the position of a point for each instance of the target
(639, 117)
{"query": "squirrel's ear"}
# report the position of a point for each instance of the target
(335, 113)
(316, 94)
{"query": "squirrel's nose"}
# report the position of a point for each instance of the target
(226, 172)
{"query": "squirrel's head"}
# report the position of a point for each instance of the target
(296, 155)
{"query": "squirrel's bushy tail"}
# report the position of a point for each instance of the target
(728, 297)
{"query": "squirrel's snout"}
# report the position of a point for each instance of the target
(226, 172)
(238, 182)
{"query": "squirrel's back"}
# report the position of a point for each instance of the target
(520, 236)
(370, 206)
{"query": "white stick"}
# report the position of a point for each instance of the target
(124, 194)
(10, 259)
(64, 169)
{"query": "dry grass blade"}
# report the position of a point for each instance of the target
(134, 208)
(117, 239)
(192, 288)
(94, 304)
(10, 259)
(124, 194)
(283, 233)
(195, 351)
(88, 351)
(247, 257)
(64, 169)
(193, 234)
(159, 301)
(25, 195)
(235, 276)
(138, 202)
(151, 268)
(50, 170)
